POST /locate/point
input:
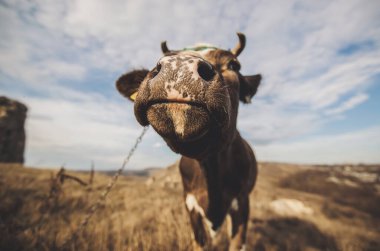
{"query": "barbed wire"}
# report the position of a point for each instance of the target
(104, 195)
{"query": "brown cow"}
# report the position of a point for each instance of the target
(191, 99)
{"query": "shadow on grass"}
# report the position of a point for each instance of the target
(290, 234)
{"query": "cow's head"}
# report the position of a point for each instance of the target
(191, 97)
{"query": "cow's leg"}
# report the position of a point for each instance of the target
(200, 224)
(201, 239)
(239, 213)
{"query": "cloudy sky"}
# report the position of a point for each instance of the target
(319, 101)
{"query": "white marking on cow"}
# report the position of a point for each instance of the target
(193, 67)
(168, 60)
(174, 94)
(178, 115)
(192, 204)
(210, 229)
(229, 225)
(235, 204)
(191, 64)
(243, 247)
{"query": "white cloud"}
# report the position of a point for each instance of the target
(62, 69)
(86, 125)
(158, 144)
(349, 104)
(266, 122)
(34, 57)
(339, 148)
(61, 131)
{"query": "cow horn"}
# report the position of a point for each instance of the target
(164, 47)
(240, 46)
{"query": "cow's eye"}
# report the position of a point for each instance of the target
(156, 70)
(234, 66)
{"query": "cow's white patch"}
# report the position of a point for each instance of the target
(192, 204)
(229, 225)
(188, 65)
(174, 94)
(235, 204)
(243, 248)
(210, 229)
(168, 60)
(178, 116)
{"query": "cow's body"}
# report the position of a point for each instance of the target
(219, 185)
(191, 99)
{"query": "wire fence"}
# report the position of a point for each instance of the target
(104, 195)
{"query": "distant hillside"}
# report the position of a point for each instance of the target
(293, 207)
(146, 172)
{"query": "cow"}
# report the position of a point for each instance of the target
(191, 99)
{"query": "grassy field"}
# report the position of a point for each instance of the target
(148, 213)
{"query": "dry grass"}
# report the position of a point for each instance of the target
(149, 214)
(134, 217)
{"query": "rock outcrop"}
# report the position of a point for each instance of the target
(12, 132)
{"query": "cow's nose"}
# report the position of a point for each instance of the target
(205, 70)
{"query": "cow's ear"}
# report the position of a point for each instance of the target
(129, 83)
(248, 87)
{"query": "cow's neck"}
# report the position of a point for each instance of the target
(216, 165)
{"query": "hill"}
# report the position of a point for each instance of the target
(293, 207)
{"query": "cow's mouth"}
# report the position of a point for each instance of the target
(178, 120)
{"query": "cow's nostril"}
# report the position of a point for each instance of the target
(156, 70)
(158, 67)
(205, 70)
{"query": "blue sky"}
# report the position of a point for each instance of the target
(318, 103)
